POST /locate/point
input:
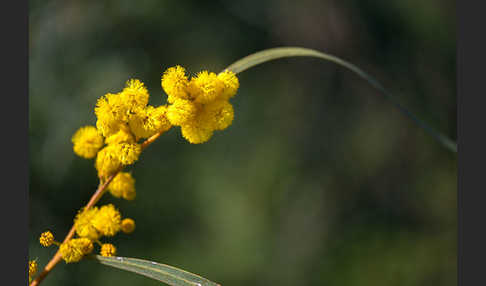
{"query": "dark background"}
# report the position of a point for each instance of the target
(319, 181)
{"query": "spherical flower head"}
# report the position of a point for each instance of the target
(107, 161)
(108, 220)
(181, 111)
(32, 269)
(123, 185)
(149, 121)
(123, 135)
(128, 225)
(231, 83)
(87, 141)
(46, 239)
(127, 153)
(85, 245)
(108, 249)
(218, 114)
(83, 223)
(205, 87)
(135, 95)
(110, 111)
(71, 251)
(196, 131)
(174, 83)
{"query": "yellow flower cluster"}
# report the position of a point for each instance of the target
(199, 105)
(32, 269)
(90, 225)
(122, 120)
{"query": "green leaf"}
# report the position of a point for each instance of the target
(168, 274)
(287, 52)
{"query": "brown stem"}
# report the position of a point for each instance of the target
(92, 201)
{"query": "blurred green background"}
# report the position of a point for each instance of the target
(319, 181)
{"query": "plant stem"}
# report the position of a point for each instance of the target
(92, 201)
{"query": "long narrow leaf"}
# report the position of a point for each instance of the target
(168, 274)
(286, 52)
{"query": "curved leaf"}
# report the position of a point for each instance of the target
(168, 274)
(286, 52)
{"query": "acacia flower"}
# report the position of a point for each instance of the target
(174, 83)
(74, 249)
(134, 96)
(32, 269)
(231, 83)
(107, 221)
(123, 185)
(205, 87)
(83, 223)
(87, 141)
(46, 239)
(128, 225)
(108, 249)
(110, 112)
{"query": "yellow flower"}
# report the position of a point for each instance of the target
(205, 87)
(134, 95)
(107, 221)
(73, 250)
(46, 239)
(110, 111)
(123, 185)
(127, 153)
(108, 249)
(107, 161)
(196, 131)
(86, 142)
(181, 111)
(85, 245)
(219, 114)
(149, 121)
(83, 223)
(128, 225)
(32, 269)
(174, 83)
(231, 83)
(123, 135)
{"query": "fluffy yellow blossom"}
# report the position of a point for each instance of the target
(123, 135)
(107, 161)
(231, 83)
(205, 87)
(128, 225)
(107, 221)
(123, 185)
(83, 223)
(73, 250)
(148, 121)
(197, 131)
(127, 153)
(32, 269)
(108, 249)
(46, 239)
(83, 244)
(87, 141)
(135, 95)
(181, 111)
(218, 114)
(110, 111)
(174, 83)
